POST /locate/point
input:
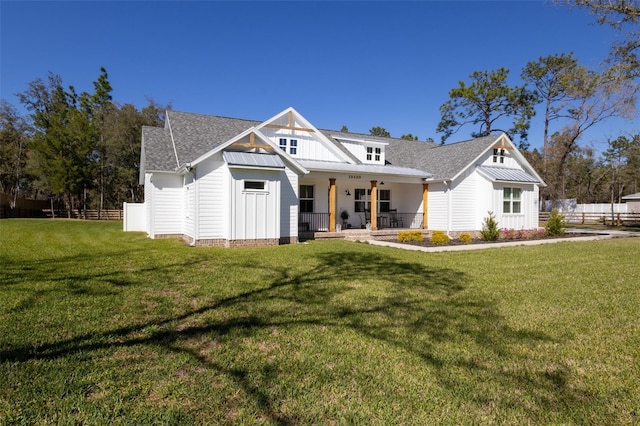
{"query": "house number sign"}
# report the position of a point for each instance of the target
(355, 177)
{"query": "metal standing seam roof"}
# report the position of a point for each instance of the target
(363, 168)
(507, 174)
(632, 197)
(251, 159)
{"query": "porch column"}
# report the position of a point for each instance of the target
(332, 205)
(374, 205)
(425, 206)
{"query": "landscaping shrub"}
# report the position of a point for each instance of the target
(556, 225)
(439, 238)
(410, 236)
(465, 238)
(490, 231)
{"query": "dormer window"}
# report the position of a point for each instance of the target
(373, 157)
(498, 155)
(366, 150)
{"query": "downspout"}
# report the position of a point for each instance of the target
(196, 216)
(447, 183)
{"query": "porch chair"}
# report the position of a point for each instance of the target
(395, 221)
(367, 216)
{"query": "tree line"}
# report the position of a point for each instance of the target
(573, 99)
(79, 150)
(82, 150)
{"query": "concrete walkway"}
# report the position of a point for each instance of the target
(597, 235)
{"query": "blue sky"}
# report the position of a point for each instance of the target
(359, 64)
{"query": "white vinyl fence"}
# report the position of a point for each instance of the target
(134, 218)
(570, 206)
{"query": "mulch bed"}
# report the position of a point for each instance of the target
(456, 242)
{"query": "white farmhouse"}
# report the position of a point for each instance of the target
(217, 181)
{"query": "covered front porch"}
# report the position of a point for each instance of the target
(356, 202)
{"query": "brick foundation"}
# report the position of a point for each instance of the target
(220, 242)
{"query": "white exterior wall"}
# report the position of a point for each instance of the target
(255, 214)
(360, 151)
(289, 204)
(438, 207)
(407, 198)
(166, 195)
(528, 219)
(148, 204)
(509, 161)
(309, 147)
(189, 206)
(466, 198)
(213, 184)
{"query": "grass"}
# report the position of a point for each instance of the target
(99, 326)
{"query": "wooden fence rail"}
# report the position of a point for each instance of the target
(596, 218)
(90, 214)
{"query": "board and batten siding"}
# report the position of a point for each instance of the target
(168, 204)
(255, 214)
(528, 218)
(213, 199)
(309, 146)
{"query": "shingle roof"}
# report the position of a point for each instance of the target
(443, 161)
(157, 149)
(197, 134)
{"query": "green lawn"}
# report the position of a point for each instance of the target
(98, 326)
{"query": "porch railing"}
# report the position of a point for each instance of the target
(400, 220)
(315, 222)
(319, 222)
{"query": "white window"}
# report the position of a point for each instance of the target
(292, 144)
(498, 155)
(374, 154)
(511, 202)
(362, 200)
(254, 185)
(306, 198)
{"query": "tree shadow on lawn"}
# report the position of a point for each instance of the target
(414, 308)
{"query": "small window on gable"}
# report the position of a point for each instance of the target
(254, 185)
(498, 155)
(378, 152)
(292, 144)
(369, 153)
